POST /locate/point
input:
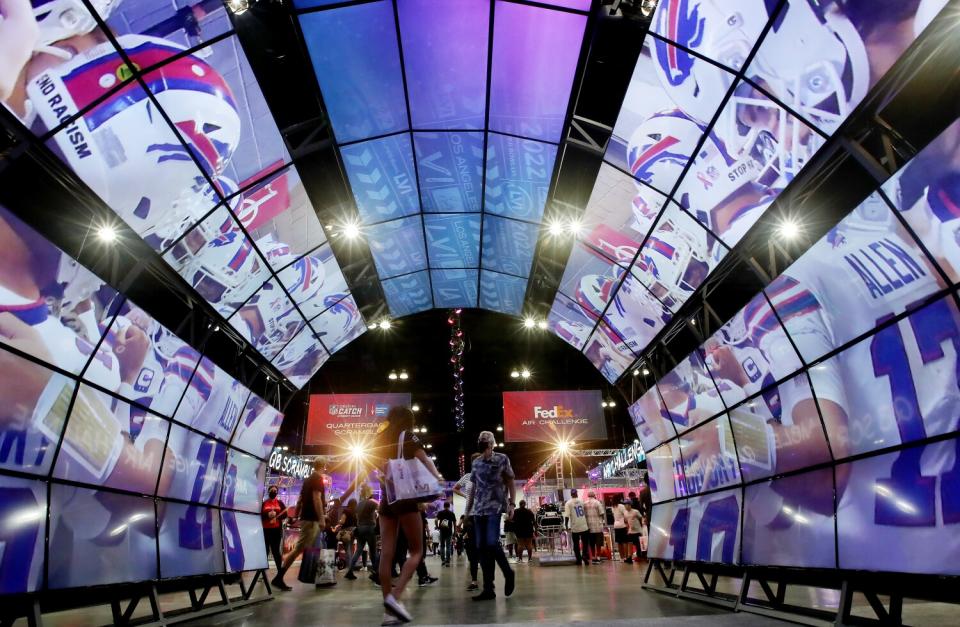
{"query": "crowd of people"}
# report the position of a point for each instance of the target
(392, 540)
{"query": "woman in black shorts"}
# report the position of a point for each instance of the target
(402, 514)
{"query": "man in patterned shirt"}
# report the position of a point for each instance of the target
(493, 480)
(596, 515)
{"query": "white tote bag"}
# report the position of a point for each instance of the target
(409, 479)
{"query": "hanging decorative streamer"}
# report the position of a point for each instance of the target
(457, 346)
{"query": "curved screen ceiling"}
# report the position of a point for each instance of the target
(727, 103)
(447, 123)
(162, 117)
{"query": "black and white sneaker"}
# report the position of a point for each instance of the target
(396, 608)
(390, 619)
(427, 581)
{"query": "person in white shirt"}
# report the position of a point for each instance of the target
(576, 515)
(634, 527)
(620, 530)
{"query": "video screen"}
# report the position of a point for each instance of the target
(518, 178)
(665, 473)
(34, 412)
(608, 353)
(453, 240)
(651, 420)
(258, 427)
(450, 166)
(925, 193)
(619, 214)
(268, 320)
(709, 457)
(56, 310)
(279, 217)
(789, 521)
(713, 527)
(568, 321)
(409, 294)
(99, 537)
(455, 288)
(669, 523)
(383, 178)
(750, 353)
(243, 541)
(155, 365)
(301, 358)
(688, 393)
(899, 511)
(339, 325)
(219, 262)
(502, 292)
(676, 258)
(779, 431)
(508, 245)
(213, 402)
(111, 443)
(314, 281)
(23, 519)
(194, 467)
(190, 540)
(243, 482)
(397, 246)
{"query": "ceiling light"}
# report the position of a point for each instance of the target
(542, 325)
(555, 228)
(286, 448)
(404, 376)
(415, 407)
(603, 404)
(611, 404)
(514, 374)
(392, 376)
(500, 445)
(575, 227)
(423, 429)
(529, 323)
(351, 230)
(499, 427)
(216, 328)
(429, 446)
(238, 6)
(433, 457)
(107, 234)
(384, 324)
(788, 229)
(646, 372)
(416, 429)
(636, 372)
(525, 374)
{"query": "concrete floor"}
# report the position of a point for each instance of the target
(606, 594)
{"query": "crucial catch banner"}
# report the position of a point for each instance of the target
(553, 416)
(346, 419)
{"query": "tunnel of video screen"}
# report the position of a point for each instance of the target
(699, 153)
(160, 114)
(118, 440)
(819, 426)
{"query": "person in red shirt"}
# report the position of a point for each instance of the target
(272, 513)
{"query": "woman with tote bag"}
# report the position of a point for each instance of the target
(393, 453)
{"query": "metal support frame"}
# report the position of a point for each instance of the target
(775, 583)
(124, 600)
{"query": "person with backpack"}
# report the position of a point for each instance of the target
(446, 522)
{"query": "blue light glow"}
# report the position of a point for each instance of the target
(508, 245)
(408, 294)
(518, 176)
(397, 247)
(453, 240)
(502, 292)
(450, 166)
(454, 288)
(383, 178)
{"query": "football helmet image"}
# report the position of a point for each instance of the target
(594, 293)
(225, 270)
(660, 148)
(121, 147)
(574, 333)
(673, 264)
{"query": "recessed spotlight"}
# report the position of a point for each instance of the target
(788, 229)
(107, 234)
(351, 230)
(555, 228)
(529, 323)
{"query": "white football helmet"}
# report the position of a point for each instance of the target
(122, 148)
(594, 292)
(675, 262)
(280, 320)
(224, 270)
(79, 284)
(310, 277)
(660, 147)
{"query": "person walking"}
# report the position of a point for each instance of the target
(509, 537)
(576, 516)
(524, 525)
(272, 513)
(446, 523)
(311, 514)
(595, 521)
(493, 484)
(464, 488)
(620, 530)
(401, 515)
(366, 533)
(634, 527)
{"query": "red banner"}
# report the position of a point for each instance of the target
(345, 419)
(553, 416)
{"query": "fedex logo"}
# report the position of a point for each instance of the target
(558, 411)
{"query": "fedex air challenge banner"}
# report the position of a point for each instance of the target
(346, 418)
(552, 415)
